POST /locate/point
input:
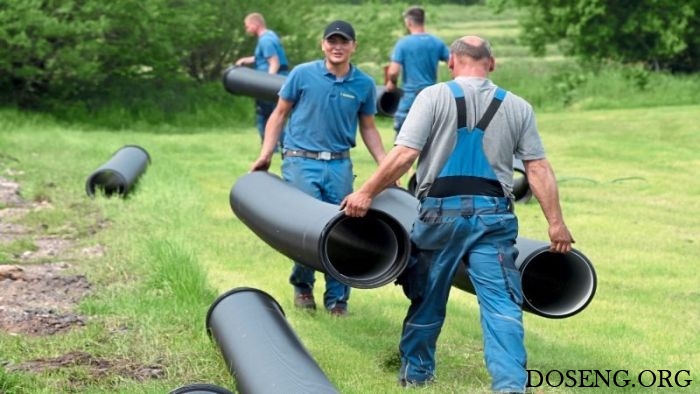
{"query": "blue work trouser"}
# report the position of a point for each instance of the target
(481, 231)
(329, 181)
(263, 110)
(405, 103)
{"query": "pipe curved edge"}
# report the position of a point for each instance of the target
(201, 388)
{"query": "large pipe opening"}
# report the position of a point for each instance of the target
(365, 252)
(557, 285)
(108, 182)
(387, 102)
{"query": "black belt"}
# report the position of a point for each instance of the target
(457, 185)
(316, 155)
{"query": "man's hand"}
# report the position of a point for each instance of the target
(261, 164)
(560, 238)
(356, 204)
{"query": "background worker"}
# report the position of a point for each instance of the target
(464, 134)
(269, 56)
(325, 101)
(416, 57)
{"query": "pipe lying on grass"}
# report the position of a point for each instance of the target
(365, 252)
(261, 351)
(120, 173)
(249, 82)
(554, 285)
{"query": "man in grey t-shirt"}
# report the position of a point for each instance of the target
(464, 134)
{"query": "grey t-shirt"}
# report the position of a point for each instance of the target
(431, 127)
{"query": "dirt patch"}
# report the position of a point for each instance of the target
(38, 299)
(35, 299)
(96, 367)
(39, 292)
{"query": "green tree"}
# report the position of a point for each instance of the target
(660, 34)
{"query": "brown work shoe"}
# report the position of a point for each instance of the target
(305, 301)
(338, 311)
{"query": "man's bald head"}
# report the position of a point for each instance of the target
(474, 47)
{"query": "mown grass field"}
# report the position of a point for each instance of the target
(628, 187)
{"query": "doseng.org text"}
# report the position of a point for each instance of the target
(659, 378)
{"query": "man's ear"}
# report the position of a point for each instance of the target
(492, 65)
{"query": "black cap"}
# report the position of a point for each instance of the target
(340, 28)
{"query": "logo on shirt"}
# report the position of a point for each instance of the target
(347, 95)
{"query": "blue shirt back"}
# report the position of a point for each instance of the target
(269, 44)
(326, 109)
(419, 55)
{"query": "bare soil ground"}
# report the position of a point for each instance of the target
(39, 291)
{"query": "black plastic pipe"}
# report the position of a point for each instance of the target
(120, 173)
(365, 252)
(261, 351)
(201, 388)
(246, 81)
(521, 187)
(249, 82)
(554, 285)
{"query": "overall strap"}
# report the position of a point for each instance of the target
(491, 110)
(458, 94)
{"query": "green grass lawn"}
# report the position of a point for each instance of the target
(628, 189)
(625, 162)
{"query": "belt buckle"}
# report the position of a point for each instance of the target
(324, 155)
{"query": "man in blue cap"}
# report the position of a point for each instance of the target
(325, 100)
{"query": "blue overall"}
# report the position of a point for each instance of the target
(465, 218)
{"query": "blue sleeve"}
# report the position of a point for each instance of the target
(369, 106)
(267, 47)
(445, 52)
(290, 88)
(397, 55)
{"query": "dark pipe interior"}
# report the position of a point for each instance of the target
(364, 252)
(558, 285)
(110, 182)
(388, 102)
(520, 185)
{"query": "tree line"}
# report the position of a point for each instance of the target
(64, 49)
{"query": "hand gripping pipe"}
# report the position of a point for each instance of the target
(249, 82)
(261, 351)
(554, 285)
(120, 173)
(201, 388)
(365, 252)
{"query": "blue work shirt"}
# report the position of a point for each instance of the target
(419, 55)
(324, 117)
(269, 45)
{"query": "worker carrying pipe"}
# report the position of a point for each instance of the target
(246, 81)
(466, 132)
